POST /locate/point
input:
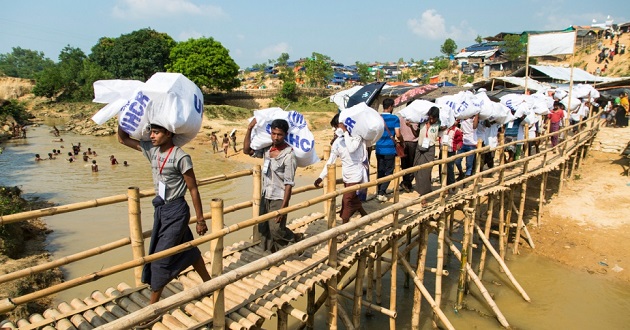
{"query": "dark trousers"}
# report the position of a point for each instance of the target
(384, 167)
(407, 162)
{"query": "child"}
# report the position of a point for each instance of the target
(94, 166)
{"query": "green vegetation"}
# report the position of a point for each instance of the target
(307, 104)
(449, 47)
(11, 234)
(226, 112)
(513, 47)
(206, 62)
(16, 110)
(23, 63)
(137, 55)
(364, 72)
(318, 70)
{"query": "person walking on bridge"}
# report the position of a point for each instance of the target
(278, 174)
(353, 154)
(173, 173)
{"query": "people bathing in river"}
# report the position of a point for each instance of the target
(173, 173)
(125, 163)
(94, 166)
(278, 173)
(85, 156)
(37, 158)
(113, 160)
(50, 156)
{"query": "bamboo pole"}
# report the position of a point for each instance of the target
(370, 280)
(358, 293)
(541, 198)
(481, 287)
(216, 249)
(482, 260)
(394, 247)
(326, 152)
(345, 318)
(283, 320)
(333, 308)
(379, 279)
(508, 218)
(461, 283)
(422, 259)
(310, 308)
(502, 264)
(369, 306)
(256, 180)
(521, 211)
(436, 308)
(135, 230)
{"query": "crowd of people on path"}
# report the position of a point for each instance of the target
(606, 55)
(617, 111)
(227, 141)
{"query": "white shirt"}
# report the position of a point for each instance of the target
(470, 134)
(352, 152)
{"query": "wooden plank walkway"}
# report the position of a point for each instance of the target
(256, 298)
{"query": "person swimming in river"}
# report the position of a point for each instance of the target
(85, 156)
(37, 158)
(94, 166)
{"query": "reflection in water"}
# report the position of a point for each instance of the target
(561, 298)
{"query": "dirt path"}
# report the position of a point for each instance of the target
(588, 225)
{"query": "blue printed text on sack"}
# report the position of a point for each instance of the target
(133, 115)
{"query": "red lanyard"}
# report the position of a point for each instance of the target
(426, 135)
(165, 159)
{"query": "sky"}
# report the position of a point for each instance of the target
(256, 31)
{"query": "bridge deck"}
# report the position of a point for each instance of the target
(256, 298)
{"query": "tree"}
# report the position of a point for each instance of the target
(364, 72)
(283, 59)
(206, 62)
(23, 63)
(513, 47)
(479, 39)
(449, 47)
(137, 55)
(71, 78)
(318, 70)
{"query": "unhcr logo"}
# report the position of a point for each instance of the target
(365, 95)
(296, 120)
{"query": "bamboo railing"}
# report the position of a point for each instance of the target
(572, 146)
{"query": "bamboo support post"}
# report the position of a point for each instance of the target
(502, 264)
(436, 308)
(256, 199)
(370, 282)
(376, 308)
(541, 197)
(482, 260)
(358, 293)
(521, 210)
(440, 264)
(501, 157)
(310, 308)
(283, 320)
(508, 219)
(481, 287)
(333, 308)
(422, 259)
(379, 277)
(216, 249)
(345, 318)
(326, 152)
(461, 283)
(474, 203)
(407, 254)
(394, 247)
(135, 230)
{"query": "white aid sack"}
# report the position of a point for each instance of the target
(560, 94)
(299, 136)
(583, 90)
(486, 107)
(463, 104)
(579, 113)
(417, 111)
(501, 114)
(512, 101)
(575, 103)
(115, 93)
(447, 117)
(363, 121)
(167, 99)
(539, 103)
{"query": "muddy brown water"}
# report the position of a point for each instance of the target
(562, 298)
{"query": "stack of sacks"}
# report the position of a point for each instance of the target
(539, 103)
(167, 99)
(363, 121)
(463, 104)
(582, 91)
(418, 112)
(299, 136)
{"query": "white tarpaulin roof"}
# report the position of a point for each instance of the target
(560, 73)
(482, 53)
(520, 81)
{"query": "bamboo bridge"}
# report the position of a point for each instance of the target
(250, 286)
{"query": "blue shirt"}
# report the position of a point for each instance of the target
(513, 131)
(385, 145)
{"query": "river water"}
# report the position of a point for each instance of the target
(562, 298)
